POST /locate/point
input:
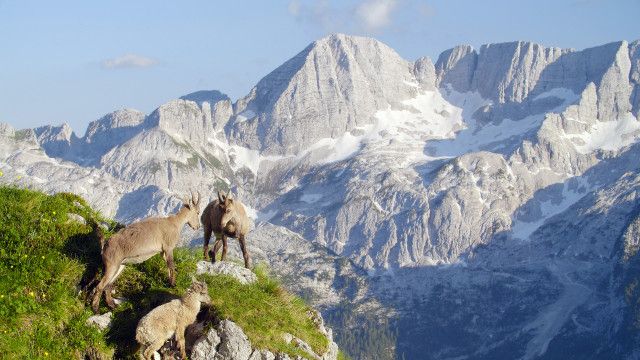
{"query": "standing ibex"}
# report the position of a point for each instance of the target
(161, 323)
(225, 217)
(141, 240)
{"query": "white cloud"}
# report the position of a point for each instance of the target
(129, 61)
(375, 14)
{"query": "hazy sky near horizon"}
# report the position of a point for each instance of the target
(74, 61)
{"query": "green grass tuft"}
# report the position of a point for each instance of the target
(41, 315)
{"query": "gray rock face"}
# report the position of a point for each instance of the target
(240, 273)
(56, 140)
(456, 67)
(110, 131)
(234, 344)
(206, 347)
(333, 86)
(425, 73)
(634, 75)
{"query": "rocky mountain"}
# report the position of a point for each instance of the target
(489, 197)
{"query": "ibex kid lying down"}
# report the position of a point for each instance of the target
(161, 323)
(141, 240)
(225, 217)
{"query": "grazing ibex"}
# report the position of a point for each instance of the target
(171, 318)
(141, 240)
(225, 217)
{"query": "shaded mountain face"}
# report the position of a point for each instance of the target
(489, 197)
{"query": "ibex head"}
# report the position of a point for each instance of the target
(193, 205)
(227, 206)
(200, 290)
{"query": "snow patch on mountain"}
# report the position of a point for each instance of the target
(607, 135)
(572, 191)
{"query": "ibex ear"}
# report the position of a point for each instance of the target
(220, 196)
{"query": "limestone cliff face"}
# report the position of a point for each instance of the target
(331, 87)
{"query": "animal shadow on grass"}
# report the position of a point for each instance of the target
(86, 249)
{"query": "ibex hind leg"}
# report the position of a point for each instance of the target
(109, 273)
(224, 248)
(148, 352)
(245, 254)
(207, 238)
(214, 252)
(109, 288)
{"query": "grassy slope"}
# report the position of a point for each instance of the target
(44, 257)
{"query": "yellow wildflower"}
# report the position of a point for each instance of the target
(42, 257)
(32, 294)
(46, 353)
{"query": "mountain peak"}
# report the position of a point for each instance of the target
(340, 79)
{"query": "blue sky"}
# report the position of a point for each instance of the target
(74, 61)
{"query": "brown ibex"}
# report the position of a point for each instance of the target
(141, 240)
(161, 323)
(225, 217)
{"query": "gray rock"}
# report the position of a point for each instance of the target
(240, 273)
(102, 322)
(76, 218)
(262, 355)
(206, 347)
(234, 344)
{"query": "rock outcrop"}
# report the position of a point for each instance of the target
(240, 273)
(227, 341)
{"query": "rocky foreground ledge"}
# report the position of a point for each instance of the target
(226, 340)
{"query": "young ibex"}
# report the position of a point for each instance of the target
(141, 240)
(225, 217)
(171, 318)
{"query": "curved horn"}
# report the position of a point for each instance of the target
(198, 201)
(220, 196)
